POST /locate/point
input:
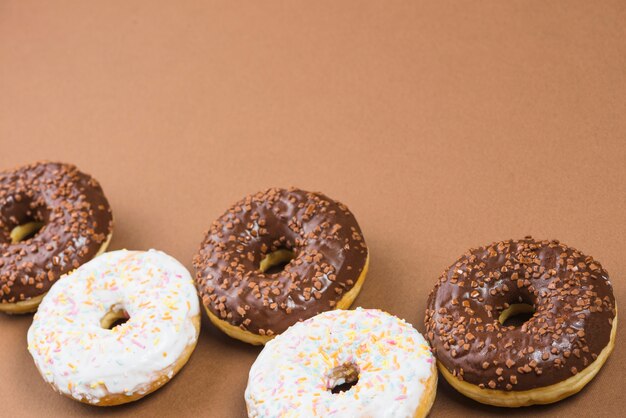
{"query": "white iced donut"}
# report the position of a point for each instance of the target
(80, 352)
(361, 363)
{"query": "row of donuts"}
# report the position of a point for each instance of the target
(280, 268)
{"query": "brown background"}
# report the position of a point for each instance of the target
(442, 126)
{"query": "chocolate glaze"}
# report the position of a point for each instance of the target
(574, 311)
(77, 220)
(330, 254)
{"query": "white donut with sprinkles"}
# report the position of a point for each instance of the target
(83, 354)
(361, 363)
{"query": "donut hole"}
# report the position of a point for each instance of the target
(516, 314)
(116, 316)
(276, 261)
(342, 378)
(25, 231)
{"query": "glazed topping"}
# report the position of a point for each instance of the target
(83, 359)
(322, 236)
(387, 361)
(76, 221)
(569, 292)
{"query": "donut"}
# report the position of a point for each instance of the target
(360, 363)
(82, 349)
(53, 218)
(319, 240)
(563, 344)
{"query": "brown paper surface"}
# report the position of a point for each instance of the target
(443, 126)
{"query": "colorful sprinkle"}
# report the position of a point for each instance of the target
(81, 358)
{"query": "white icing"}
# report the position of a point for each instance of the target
(80, 358)
(291, 376)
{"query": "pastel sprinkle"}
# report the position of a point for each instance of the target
(295, 373)
(86, 361)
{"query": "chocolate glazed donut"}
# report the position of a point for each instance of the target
(550, 356)
(53, 218)
(319, 239)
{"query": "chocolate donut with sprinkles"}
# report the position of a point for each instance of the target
(53, 218)
(568, 334)
(278, 257)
